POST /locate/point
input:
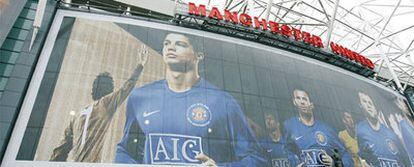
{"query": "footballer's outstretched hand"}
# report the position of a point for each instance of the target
(326, 159)
(143, 55)
(206, 161)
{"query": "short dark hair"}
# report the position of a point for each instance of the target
(102, 85)
(195, 41)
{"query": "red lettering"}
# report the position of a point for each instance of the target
(245, 19)
(370, 64)
(338, 49)
(342, 51)
(334, 48)
(345, 52)
(296, 34)
(286, 30)
(194, 10)
(357, 57)
(231, 16)
(258, 23)
(365, 61)
(306, 37)
(348, 53)
(362, 60)
(215, 14)
(274, 27)
(317, 41)
(354, 56)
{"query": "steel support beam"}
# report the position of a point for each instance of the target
(268, 7)
(388, 19)
(390, 68)
(384, 57)
(331, 24)
(410, 60)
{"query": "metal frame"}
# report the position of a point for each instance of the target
(182, 18)
(360, 27)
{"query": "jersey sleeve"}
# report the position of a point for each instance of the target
(112, 101)
(131, 148)
(247, 151)
(61, 152)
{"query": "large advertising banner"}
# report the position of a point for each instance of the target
(158, 94)
(3, 3)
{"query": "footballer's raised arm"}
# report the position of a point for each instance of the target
(61, 152)
(115, 99)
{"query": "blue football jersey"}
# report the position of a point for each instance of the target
(380, 148)
(167, 127)
(309, 142)
(277, 154)
(407, 131)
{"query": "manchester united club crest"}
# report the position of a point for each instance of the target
(198, 114)
(392, 147)
(321, 138)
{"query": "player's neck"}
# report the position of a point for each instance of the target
(181, 81)
(374, 123)
(307, 120)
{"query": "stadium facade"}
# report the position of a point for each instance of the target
(107, 84)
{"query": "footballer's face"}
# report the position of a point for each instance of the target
(302, 102)
(348, 120)
(271, 123)
(367, 105)
(178, 52)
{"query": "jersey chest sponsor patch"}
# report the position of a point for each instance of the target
(385, 162)
(198, 114)
(174, 149)
(280, 162)
(392, 147)
(321, 138)
(312, 157)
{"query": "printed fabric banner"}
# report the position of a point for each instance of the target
(128, 94)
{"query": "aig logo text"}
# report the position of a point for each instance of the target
(174, 149)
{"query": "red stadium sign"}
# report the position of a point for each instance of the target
(276, 28)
